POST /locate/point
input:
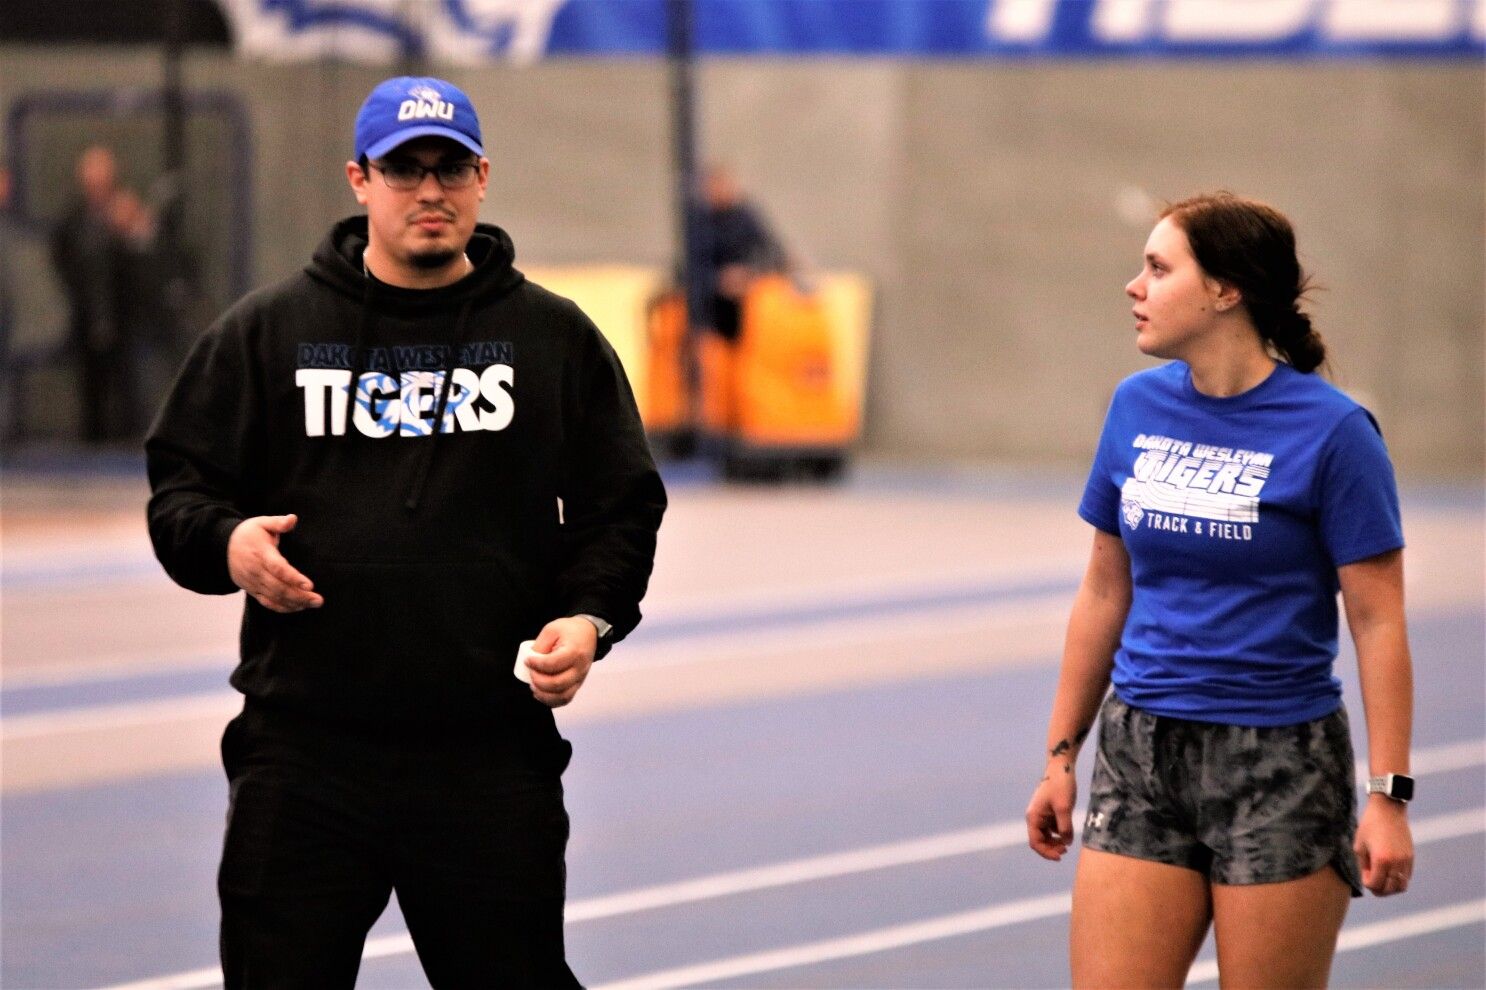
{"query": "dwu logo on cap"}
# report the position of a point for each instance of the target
(426, 102)
(409, 107)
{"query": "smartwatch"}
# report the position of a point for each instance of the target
(1398, 786)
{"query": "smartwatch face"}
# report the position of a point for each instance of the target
(1402, 787)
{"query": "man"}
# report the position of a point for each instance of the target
(485, 481)
(85, 249)
(739, 247)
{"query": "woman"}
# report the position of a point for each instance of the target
(1232, 494)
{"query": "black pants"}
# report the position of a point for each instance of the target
(727, 317)
(325, 823)
(110, 407)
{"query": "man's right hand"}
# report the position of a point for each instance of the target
(257, 567)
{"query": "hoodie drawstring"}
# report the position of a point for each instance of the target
(358, 355)
(416, 492)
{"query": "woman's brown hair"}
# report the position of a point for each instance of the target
(1251, 246)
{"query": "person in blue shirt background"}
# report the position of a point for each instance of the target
(1234, 492)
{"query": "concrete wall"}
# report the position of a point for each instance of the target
(999, 208)
(1023, 224)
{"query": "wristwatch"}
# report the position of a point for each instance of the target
(1398, 786)
(604, 628)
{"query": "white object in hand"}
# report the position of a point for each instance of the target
(526, 649)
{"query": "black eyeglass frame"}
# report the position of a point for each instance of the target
(440, 172)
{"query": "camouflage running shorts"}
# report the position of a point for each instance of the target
(1238, 804)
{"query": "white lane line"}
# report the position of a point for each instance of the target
(680, 652)
(1380, 932)
(129, 714)
(878, 940)
(975, 840)
(999, 836)
(122, 715)
(116, 666)
(663, 651)
(1012, 913)
(971, 840)
(1442, 827)
(1015, 912)
(196, 979)
(878, 630)
(1440, 759)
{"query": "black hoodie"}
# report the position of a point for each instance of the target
(436, 552)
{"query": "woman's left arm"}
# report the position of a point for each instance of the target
(1372, 591)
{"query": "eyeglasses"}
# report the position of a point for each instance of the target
(406, 176)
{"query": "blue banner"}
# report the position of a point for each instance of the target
(473, 31)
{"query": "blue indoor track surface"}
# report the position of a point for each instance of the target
(744, 738)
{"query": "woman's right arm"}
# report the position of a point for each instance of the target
(1094, 627)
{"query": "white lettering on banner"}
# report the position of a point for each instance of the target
(1393, 20)
(1127, 22)
(523, 27)
(1221, 20)
(1023, 21)
(458, 32)
(385, 406)
(1122, 21)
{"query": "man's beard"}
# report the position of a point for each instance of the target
(431, 260)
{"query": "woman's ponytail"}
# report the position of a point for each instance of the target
(1297, 342)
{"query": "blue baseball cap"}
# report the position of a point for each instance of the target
(409, 107)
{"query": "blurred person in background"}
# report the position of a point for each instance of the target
(740, 246)
(412, 459)
(1233, 493)
(86, 255)
(152, 288)
(136, 231)
(10, 236)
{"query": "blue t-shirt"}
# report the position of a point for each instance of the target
(1236, 513)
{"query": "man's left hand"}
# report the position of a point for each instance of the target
(568, 645)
